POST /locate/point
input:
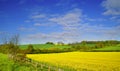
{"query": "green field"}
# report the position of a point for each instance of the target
(110, 48)
(44, 46)
(47, 46)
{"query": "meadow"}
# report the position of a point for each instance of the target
(81, 61)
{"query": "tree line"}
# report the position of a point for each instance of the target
(78, 46)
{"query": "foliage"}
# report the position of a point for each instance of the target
(109, 48)
(86, 45)
(79, 46)
(49, 43)
(30, 49)
(9, 65)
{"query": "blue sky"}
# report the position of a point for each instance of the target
(39, 21)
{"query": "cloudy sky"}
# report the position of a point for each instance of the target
(39, 21)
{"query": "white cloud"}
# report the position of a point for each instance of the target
(54, 37)
(116, 19)
(94, 19)
(25, 29)
(112, 32)
(112, 7)
(38, 16)
(45, 24)
(70, 20)
(37, 24)
(74, 27)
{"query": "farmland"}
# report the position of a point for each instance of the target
(82, 56)
(93, 61)
(100, 46)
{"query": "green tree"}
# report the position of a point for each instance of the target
(30, 49)
(49, 43)
(84, 42)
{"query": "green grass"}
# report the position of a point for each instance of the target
(5, 64)
(109, 48)
(8, 65)
(44, 46)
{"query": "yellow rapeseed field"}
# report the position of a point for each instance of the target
(93, 61)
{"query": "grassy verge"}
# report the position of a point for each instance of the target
(9, 65)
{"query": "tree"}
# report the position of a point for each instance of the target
(30, 49)
(10, 46)
(84, 42)
(13, 47)
(14, 40)
(49, 43)
(99, 45)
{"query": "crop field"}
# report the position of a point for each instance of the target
(81, 61)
